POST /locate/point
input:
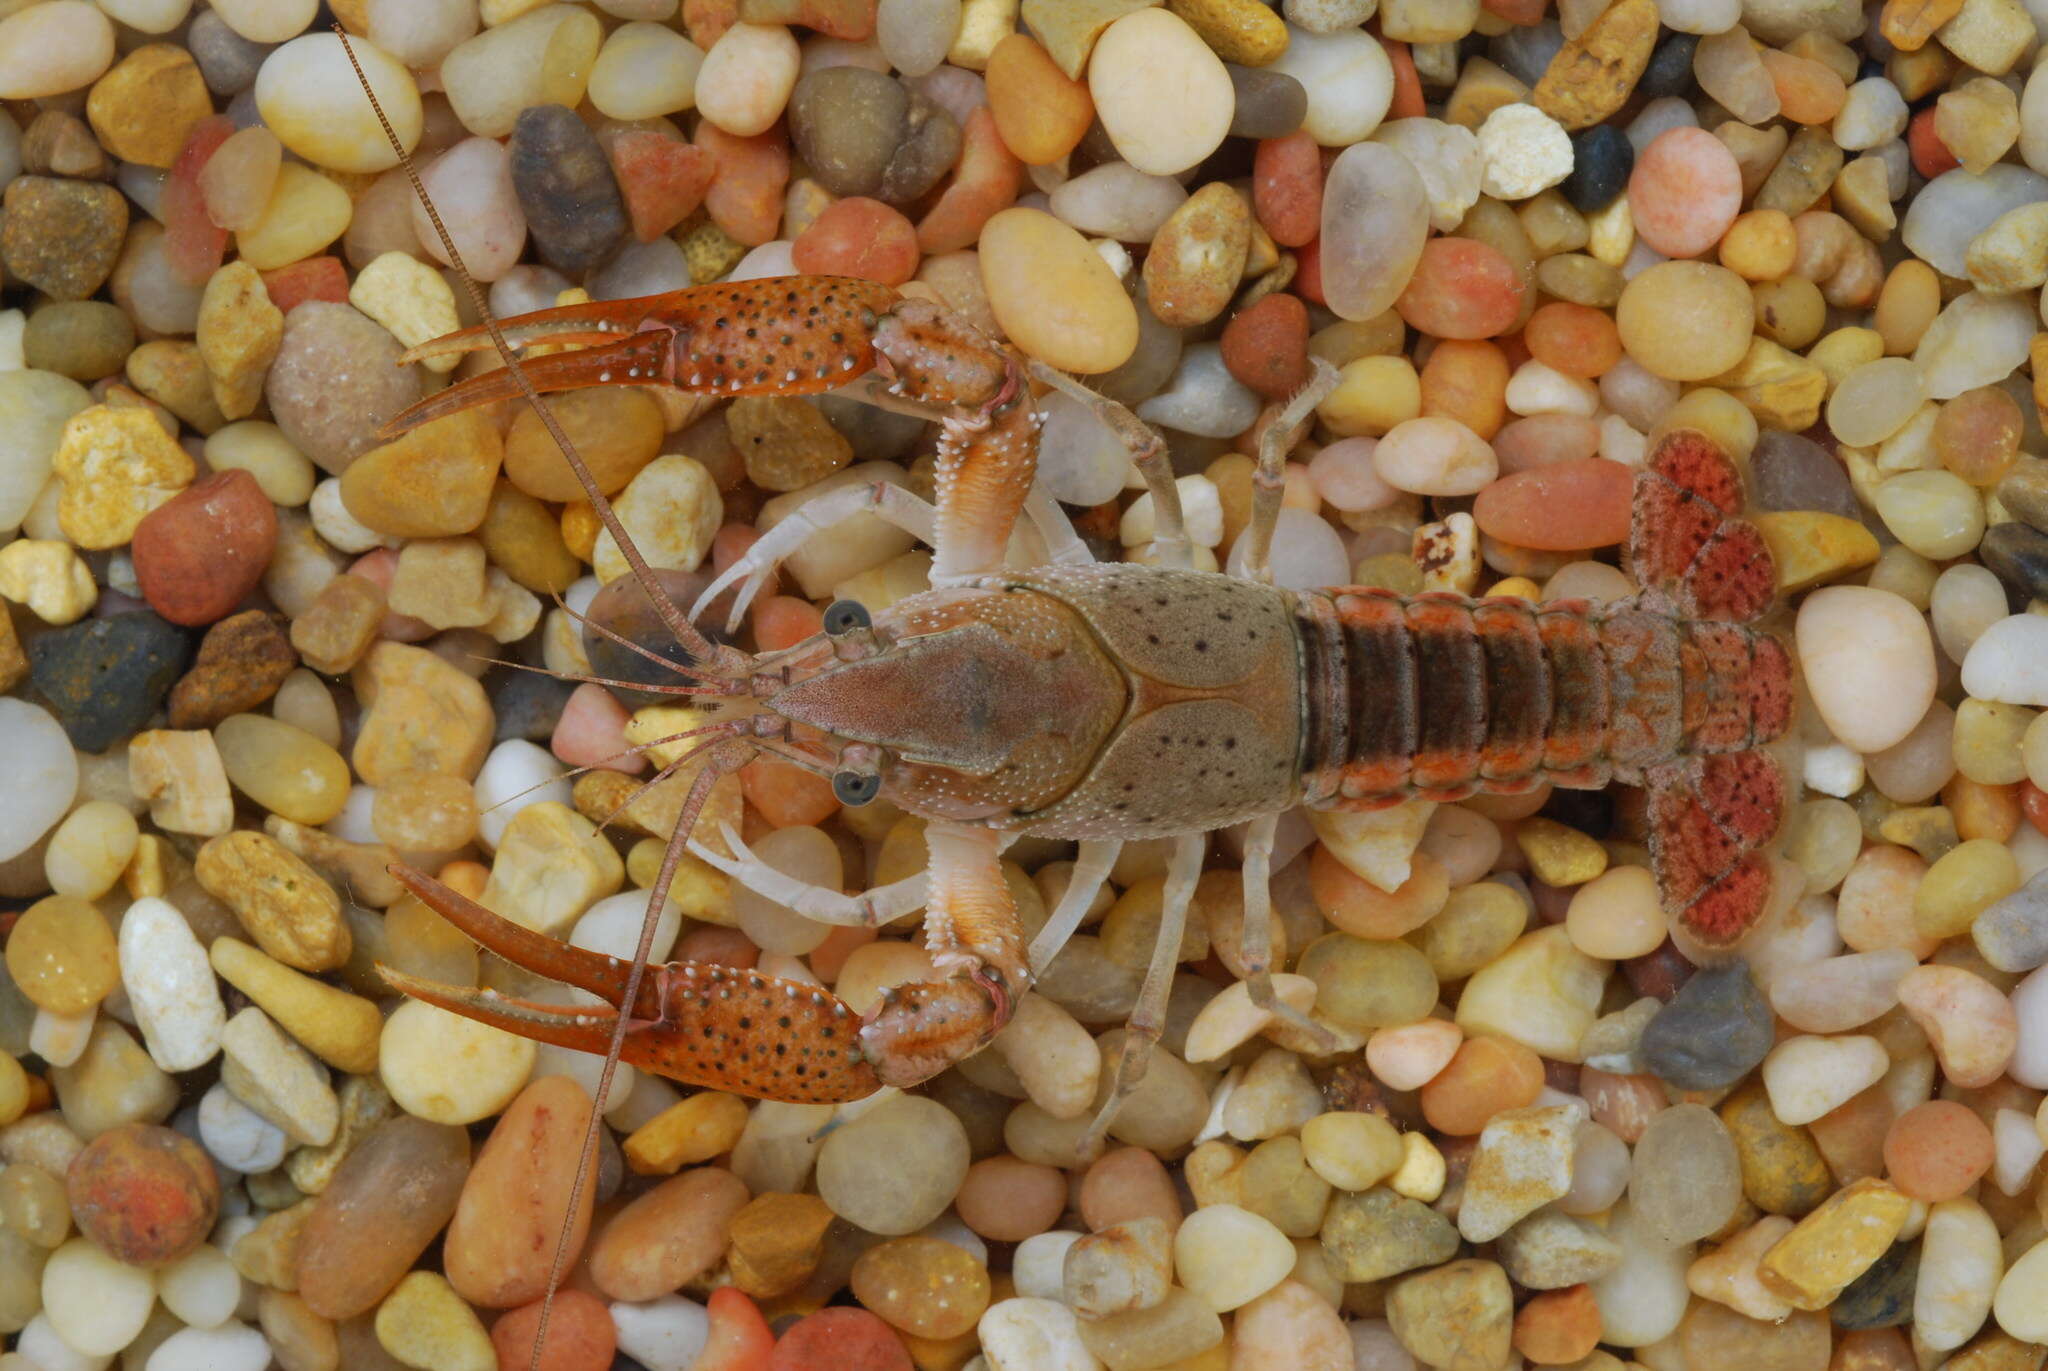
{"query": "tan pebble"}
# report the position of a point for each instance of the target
(445, 1068)
(442, 582)
(777, 1242)
(411, 300)
(277, 1078)
(239, 332)
(421, 714)
(1593, 74)
(1198, 256)
(291, 912)
(689, 1132)
(552, 864)
(179, 774)
(145, 106)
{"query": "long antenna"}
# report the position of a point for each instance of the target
(685, 632)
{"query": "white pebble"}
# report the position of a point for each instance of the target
(1039, 1263)
(666, 1334)
(745, 80)
(237, 1136)
(1850, 636)
(1874, 112)
(1526, 151)
(2009, 662)
(1348, 78)
(1033, 1335)
(1230, 1256)
(42, 774)
(95, 1304)
(332, 520)
(48, 1352)
(60, 1039)
(515, 774)
(1202, 397)
(1833, 769)
(230, 1347)
(202, 1287)
(1201, 509)
(1536, 388)
(171, 986)
(309, 96)
(1806, 1076)
(2019, 1148)
(645, 70)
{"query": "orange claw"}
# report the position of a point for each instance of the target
(773, 336)
(694, 1022)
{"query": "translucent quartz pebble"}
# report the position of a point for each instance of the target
(1375, 217)
(1976, 341)
(1079, 459)
(1874, 401)
(1202, 397)
(914, 34)
(1836, 994)
(1687, 1178)
(1728, 68)
(1956, 206)
(44, 774)
(1116, 200)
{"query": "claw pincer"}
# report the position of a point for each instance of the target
(722, 1027)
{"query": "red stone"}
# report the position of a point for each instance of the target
(745, 196)
(1287, 188)
(144, 1193)
(1516, 11)
(1308, 272)
(1462, 288)
(663, 179)
(193, 243)
(580, 1335)
(202, 551)
(739, 1340)
(313, 278)
(1931, 156)
(839, 1338)
(860, 237)
(1265, 345)
(1563, 507)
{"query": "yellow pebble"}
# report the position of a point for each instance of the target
(1841, 352)
(1810, 547)
(1520, 587)
(1422, 1170)
(1611, 233)
(1834, 1244)
(424, 1323)
(339, 1028)
(1760, 245)
(983, 24)
(687, 1132)
(1373, 394)
(49, 577)
(1558, 855)
(410, 299)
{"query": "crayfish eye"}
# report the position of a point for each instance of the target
(846, 616)
(855, 787)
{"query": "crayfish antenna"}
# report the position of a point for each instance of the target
(716, 665)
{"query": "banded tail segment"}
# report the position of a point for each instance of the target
(1712, 810)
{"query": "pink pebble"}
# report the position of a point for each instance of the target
(1685, 191)
(1462, 288)
(1411, 1056)
(1343, 474)
(1542, 439)
(592, 732)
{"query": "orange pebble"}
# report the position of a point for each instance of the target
(1287, 188)
(828, 958)
(1936, 1151)
(312, 278)
(465, 878)
(1808, 92)
(1931, 156)
(1487, 1075)
(985, 180)
(1408, 103)
(2034, 804)
(716, 943)
(740, 1339)
(1308, 272)
(1129, 1183)
(1040, 111)
(858, 237)
(1467, 380)
(580, 1334)
(1009, 1200)
(1558, 1327)
(1364, 910)
(1577, 340)
(782, 621)
(786, 794)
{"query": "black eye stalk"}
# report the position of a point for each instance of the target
(846, 616)
(856, 788)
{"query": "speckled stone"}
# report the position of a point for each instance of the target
(1712, 1033)
(566, 188)
(241, 662)
(104, 678)
(62, 237)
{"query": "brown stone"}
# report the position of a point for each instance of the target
(777, 1241)
(1198, 256)
(201, 552)
(242, 661)
(146, 1194)
(340, 625)
(145, 106)
(62, 237)
(1592, 75)
(171, 372)
(60, 144)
